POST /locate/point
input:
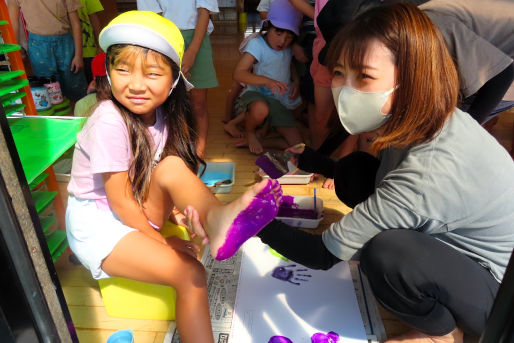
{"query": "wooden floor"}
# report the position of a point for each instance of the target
(82, 294)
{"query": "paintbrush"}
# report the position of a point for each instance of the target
(275, 164)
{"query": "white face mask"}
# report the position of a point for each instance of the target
(360, 111)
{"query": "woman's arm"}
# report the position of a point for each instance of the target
(242, 73)
(298, 245)
(188, 60)
(121, 199)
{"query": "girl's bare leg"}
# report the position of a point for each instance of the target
(233, 93)
(257, 113)
(141, 258)
(228, 226)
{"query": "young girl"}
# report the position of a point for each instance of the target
(270, 91)
(136, 159)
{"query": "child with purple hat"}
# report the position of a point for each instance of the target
(272, 85)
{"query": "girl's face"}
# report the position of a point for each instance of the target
(279, 39)
(378, 72)
(141, 84)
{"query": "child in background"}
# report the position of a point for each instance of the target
(192, 18)
(52, 50)
(98, 90)
(273, 87)
(135, 159)
(90, 23)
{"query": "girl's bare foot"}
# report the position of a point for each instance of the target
(231, 225)
(254, 144)
(329, 184)
(456, 336)
(233, 130)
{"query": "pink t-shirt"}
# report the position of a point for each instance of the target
(103, 146)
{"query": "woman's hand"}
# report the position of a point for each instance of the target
(181, 245)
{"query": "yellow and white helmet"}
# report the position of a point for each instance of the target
(146, 29)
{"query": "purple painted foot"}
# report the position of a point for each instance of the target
(251, 220)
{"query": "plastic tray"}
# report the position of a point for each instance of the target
(219, 171)
(305, 202)
(294, 177)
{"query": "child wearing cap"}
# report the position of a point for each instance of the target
(192, 18)
(136, 159)
(272, 89)
(98, 90)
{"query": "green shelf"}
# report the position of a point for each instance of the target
(54, 239)
(12, 85)
(41, 141)
(9, 75)
(40, 178)
(4, 48)
(42, 199)
(47, 222)
(58, 252)
(9, 98)
(10, 109)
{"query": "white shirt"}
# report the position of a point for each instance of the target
(183, 13)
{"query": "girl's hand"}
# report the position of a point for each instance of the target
(277, 87)
(188, 60)
(77, 63)
(187, 247)
(294, 91)
(193, 225)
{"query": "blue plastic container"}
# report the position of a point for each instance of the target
(121, 336)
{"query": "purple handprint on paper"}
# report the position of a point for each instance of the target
(284, 274)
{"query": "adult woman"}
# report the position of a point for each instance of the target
(432, 217)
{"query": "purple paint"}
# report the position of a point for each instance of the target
(250, 221)
(330, 337)
(290, 275)
(279, 339)
(272, 164)
(290, 209)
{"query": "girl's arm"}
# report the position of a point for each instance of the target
(294, 92)
(304, 7)
(121, 199)
(77, 63)
(243, 74)
(188, 60)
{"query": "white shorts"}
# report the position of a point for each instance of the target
(92, 233)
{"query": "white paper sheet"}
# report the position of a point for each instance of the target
(311, 301)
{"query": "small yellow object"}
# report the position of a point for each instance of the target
(146, 29)
(127, 298)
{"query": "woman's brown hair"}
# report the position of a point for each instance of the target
(425, 73)
(177, 115)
